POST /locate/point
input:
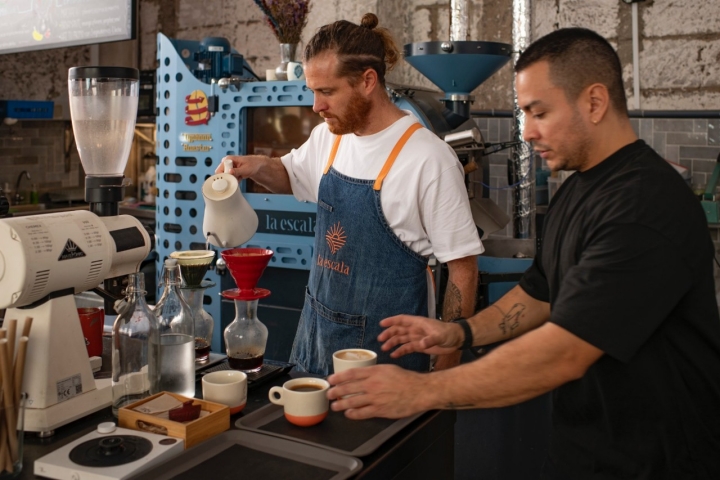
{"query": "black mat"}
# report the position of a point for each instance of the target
(336, 431)
(241, 462)
(268, 371)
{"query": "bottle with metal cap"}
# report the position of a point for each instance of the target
(177, 335)
(229, 220)
(135, 347)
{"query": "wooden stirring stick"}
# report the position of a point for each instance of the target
(19, 368)
(26, 326)
(8, 398)
(5, 464)
(11, 332)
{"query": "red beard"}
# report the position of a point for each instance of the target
(355, 117)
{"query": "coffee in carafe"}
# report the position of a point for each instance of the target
(194, 265)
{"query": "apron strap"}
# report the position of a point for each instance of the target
(395, 152)
(388, 163)
(333, 152)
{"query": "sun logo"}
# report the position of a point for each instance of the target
(335, 237)
(197, 108)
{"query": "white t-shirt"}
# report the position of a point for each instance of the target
(423, 197)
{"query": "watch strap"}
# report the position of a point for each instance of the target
(468, 340)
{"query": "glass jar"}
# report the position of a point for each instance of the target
(135, 347)
(204, 322)
(246, 338)
(177, 335)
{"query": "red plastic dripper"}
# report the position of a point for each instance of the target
(246, 266)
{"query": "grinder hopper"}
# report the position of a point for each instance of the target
(103, 108)
(457, 68)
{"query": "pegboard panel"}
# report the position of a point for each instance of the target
(191, 143)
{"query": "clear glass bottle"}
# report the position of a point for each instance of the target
(203, 320)
(246, 338)
(177, 335)
(135, 347)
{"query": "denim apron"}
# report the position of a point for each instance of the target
(361, 273)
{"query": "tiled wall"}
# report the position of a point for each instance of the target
(690, 142)
(694, 143)
(498, 130)
(39, 147)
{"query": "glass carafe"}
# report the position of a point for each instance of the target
(246, 338)
(203, 320)
(177, 335)
(135, 347)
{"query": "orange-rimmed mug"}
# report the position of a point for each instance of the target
(304, 400)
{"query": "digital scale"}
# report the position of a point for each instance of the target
(109, 453)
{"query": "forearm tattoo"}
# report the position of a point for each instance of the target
(452, 306)
(510, 320)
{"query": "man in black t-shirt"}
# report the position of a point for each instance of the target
(617, 315)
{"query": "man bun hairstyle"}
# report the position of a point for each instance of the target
(358, 47)
(578, 58)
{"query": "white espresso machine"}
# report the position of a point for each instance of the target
(46, 259)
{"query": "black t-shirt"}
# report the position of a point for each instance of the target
(627, 265)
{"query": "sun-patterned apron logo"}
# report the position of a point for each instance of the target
(335, 238)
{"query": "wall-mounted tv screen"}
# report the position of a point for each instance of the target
(40, 24)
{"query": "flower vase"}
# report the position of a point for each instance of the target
(287, 55)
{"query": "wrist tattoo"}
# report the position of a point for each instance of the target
(452, 306)
(510, 320)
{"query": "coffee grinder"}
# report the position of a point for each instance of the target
(45, 259)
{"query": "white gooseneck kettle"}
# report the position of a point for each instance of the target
(229, 219)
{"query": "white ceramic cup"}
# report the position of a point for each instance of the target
(228, 387)
(353, 358)
(304, 400)
(295, 71)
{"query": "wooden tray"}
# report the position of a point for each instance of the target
(192, 432)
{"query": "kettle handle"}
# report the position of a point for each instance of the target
(228, 165)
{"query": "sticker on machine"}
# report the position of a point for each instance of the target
(68, 388)
(71, 250)
(197, 108)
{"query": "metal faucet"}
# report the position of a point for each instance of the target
(18, 197)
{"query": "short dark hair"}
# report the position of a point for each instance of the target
(578, 57)
(358, 47)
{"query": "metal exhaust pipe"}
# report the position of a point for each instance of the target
(521, 162)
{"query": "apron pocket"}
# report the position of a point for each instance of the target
(322, 332)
